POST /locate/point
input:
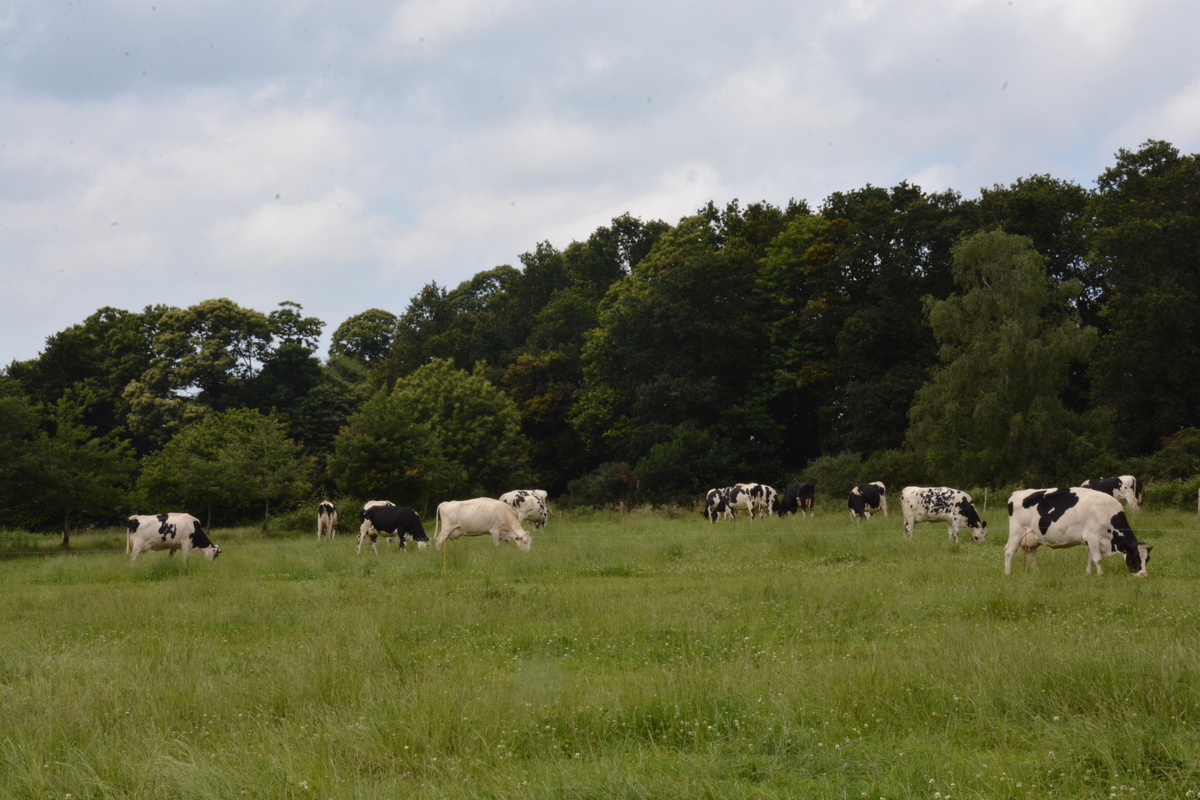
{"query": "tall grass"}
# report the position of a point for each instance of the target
(633, 656)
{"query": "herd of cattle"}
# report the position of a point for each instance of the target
(1091, 514)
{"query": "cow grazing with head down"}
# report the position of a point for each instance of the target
(1070, 517)
(326, 520)
(383, 518)
(167, 532)
(529, 504)
(867, 499)
(941, 504)
(716, 504)
(1126, 488)
(799, 497)
(479, 516)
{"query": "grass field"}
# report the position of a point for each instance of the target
(641, 656)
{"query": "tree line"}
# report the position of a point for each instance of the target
(1037, 334)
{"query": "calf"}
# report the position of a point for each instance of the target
(167, 532)
(941, 503)
(476, 517)
(799, 497)
(529, 504)
(326, 520)
(1070, 517)
(1126, 488)
(868, 498)
(383, 518)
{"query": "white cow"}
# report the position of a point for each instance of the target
(326, 520)
(167, 532)
(529, 504)
(1070, 517)
(476, 517)
(941, 504)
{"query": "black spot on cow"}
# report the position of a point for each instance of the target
(967, 509)
(1051, 505)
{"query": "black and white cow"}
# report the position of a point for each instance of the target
(529, 504)
(867, 499)
(744, 497)
(167, 532)
(326, 520)
(770, 501)
(941, 504)
(716, 504)
(799, 497)
(384, 518)
(1070, 517)
(1126, 488)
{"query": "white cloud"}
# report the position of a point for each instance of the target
(287, 152)
(433, 21)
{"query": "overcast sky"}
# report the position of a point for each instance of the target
(343, 154)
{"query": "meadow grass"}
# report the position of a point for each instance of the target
(623, 657)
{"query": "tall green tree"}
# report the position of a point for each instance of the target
(880, 252)
(53, 468)
(232, 461)
(477, 425)
(993, 410)
(385, 453)
(366, 337)
(1146, 248)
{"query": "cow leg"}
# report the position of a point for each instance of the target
(1009, 551)
(1094, 556)
(952, 533)
(908, 528)
(361, 536)
(135, 549)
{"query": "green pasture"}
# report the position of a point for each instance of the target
(642, 656)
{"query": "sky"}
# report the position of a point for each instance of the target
(342, 155)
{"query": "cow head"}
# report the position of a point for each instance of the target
(211, 552)
(979, 532)
(522, 538)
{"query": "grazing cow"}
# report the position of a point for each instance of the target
(744, 497)
(770, 501)
(716, 504)
(799, 497)
(941, 503)
(868, 498)
(326, 520)
(385, 519)
(476, 517)
(167, 532)
(1069, 517)
(1127, 489)
(529, 504)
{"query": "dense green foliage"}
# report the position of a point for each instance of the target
(1040, 333)
(639, 657)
